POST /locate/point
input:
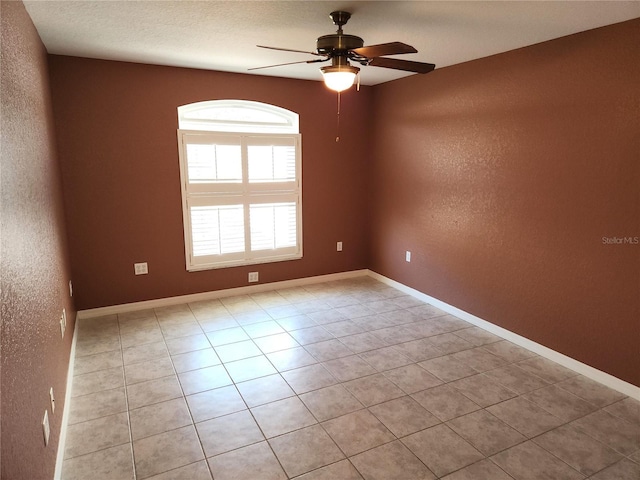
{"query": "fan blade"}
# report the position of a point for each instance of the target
(288, 50)
(406, 65)
(291, 63)
(393, 48)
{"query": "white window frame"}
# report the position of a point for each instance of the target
(239, 193)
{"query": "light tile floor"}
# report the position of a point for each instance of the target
(342, 380)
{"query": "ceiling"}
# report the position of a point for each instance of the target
(222, 35)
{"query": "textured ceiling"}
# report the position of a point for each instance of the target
(222, 35)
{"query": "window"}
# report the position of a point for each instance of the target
(240, 170)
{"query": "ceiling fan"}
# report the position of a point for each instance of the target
(341, 48)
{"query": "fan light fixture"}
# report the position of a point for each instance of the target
(339, 77)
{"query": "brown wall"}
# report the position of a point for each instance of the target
(502, 175)
(34, 263)
(117, 141)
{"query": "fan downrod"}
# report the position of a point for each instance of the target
(340, 18)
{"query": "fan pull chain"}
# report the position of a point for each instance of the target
(338, 121)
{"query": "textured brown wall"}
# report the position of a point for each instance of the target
(34, 268)
(502, 175)
(116, 125)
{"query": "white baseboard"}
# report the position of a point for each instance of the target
(229, 292)
(579, 367)
(67, 405)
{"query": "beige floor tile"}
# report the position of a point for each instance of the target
(141, 353)
(295, 322)
(195, 471)
(305, 450)
(227, 433)
(282, 416)
(191, 343)
(349, 368)
(264, 390)
(166, 451)
(482, 470)
(204, 379)
(263, 329)
(185, 362)
(218, 323)
(92, 346)
(425, 311)
(448, 368)
(373, 389)
(343, 328)
(419, 350)
(115, 463)
(591, 391)
(394, 334)
(627, 409)
(479, 359)
(442, 450)
(252, 462)
(308, 378)
(186, 329)
(328, 350)
(449, 343)
(310, 335)
(378, 328)
(96, 405)
(99, 361)
(517, 379)
(391, 461)
(153, 391)
(546, 369)
(358, 431)
(227, 336)
(403, 416)
(482, 390)
(445, 402)
(342, 470)
(98, 381)
(486, 432)
(250, 368)
(412, 378)
(330, 402)
(509, 351)
(215, 403)
(159, 418)
(385, 358)
(560, 403)
(528, 461)
(141, 336)
(362, 342)
(237, 351)
(97, 434)
(577, 449)
(477, 336)
(623, 470)
(525, 416)
(275, 343)
(149, 370)
(614, 432)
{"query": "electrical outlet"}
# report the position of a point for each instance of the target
(253, 277)
(53, 401)
(407, 256)
(46, 430)
(141, 268)
(339, 246)
(63, 322)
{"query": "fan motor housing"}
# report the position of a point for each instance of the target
(329, 43)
